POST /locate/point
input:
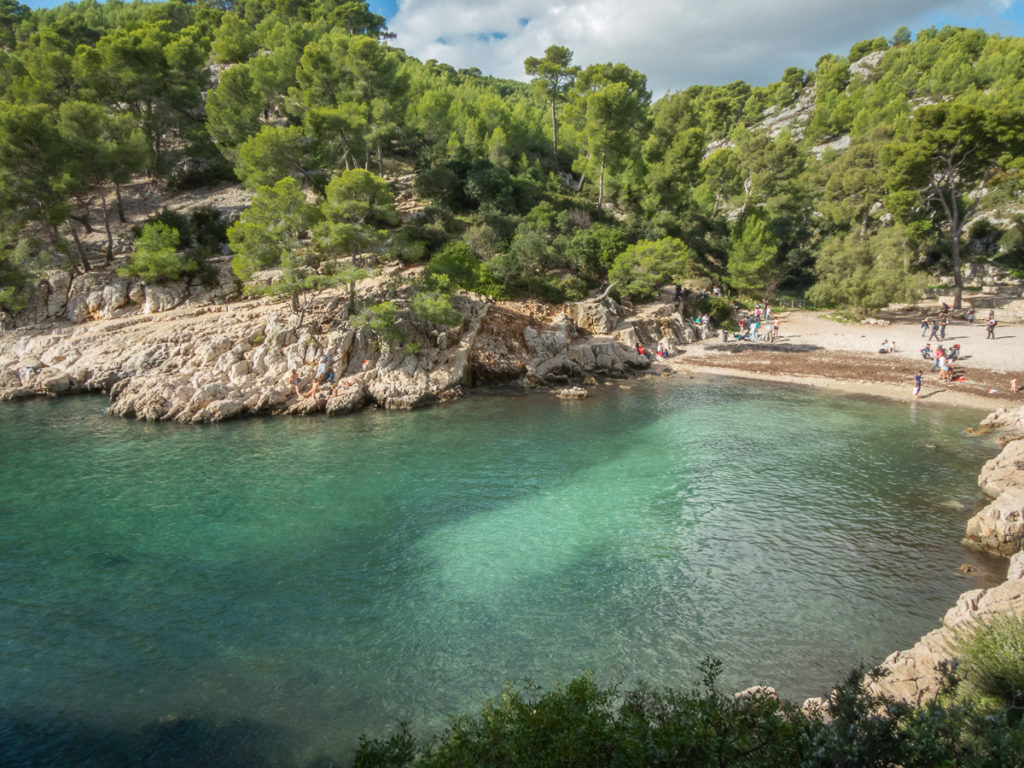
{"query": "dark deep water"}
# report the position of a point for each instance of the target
(262, 592)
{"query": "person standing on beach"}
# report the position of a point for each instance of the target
(917, 384)
(924, 327)
(992, 323)
(942, 328)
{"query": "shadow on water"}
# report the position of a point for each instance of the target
(170, 742)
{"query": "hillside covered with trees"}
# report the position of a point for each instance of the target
(856, 183)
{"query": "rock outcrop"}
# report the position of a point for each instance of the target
(216, 362)
(1005, 471)
(61, 298)
(999, 527)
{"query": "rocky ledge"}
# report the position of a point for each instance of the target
(217, 362)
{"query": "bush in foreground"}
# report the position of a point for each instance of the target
(582, 724)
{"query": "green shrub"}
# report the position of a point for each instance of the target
(582, 724)
(208, 227)
(991, 660)
(379, 320)
(179, 222)
(434, 307)
(719, 309)
(156, 258)
(458, 263)
(642, 268)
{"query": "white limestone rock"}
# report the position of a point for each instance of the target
(999, 527)
(1005, 471)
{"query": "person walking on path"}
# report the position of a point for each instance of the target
(924, 327)
(935, 331)
(970, 316)
(992, 323)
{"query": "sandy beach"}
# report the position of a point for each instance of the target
(816, 350)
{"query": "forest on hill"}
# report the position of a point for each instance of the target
(857, 183)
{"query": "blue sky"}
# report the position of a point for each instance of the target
(676, 43)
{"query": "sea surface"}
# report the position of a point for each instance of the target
(262, 592)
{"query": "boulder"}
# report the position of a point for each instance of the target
(1005, 471)
(572, 393)
(596, 316)
(160, 298)
(1003, 419)
(219, 410)
(999, 527)
(52, 381)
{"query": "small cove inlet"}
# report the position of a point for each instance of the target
(267, 590)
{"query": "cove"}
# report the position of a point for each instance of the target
(262, 592)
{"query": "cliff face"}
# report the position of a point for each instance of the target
(214, 362)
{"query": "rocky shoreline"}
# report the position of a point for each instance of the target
(214, 362)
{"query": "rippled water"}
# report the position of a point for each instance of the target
(267, 590)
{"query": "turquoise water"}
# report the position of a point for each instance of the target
(262, 592)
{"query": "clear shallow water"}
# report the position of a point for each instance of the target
(267, 590)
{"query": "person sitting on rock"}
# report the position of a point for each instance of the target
(295, 381)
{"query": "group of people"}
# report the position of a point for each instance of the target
(323, 381)
(935, 328)
(758, 328)
(992, 323)
(684, 295)
(661, 352)
(929, 354)
(945, 366)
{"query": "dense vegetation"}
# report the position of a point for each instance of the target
(545, 188)
(975, 722)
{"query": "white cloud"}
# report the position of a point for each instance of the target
(676, 43)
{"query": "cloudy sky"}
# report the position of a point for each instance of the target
(676, 43)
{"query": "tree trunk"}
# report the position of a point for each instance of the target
(120, 204)
(110, 235)
(84, 220)
(554, 137)
(600, 184)
(78, 246)
(958, 275)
